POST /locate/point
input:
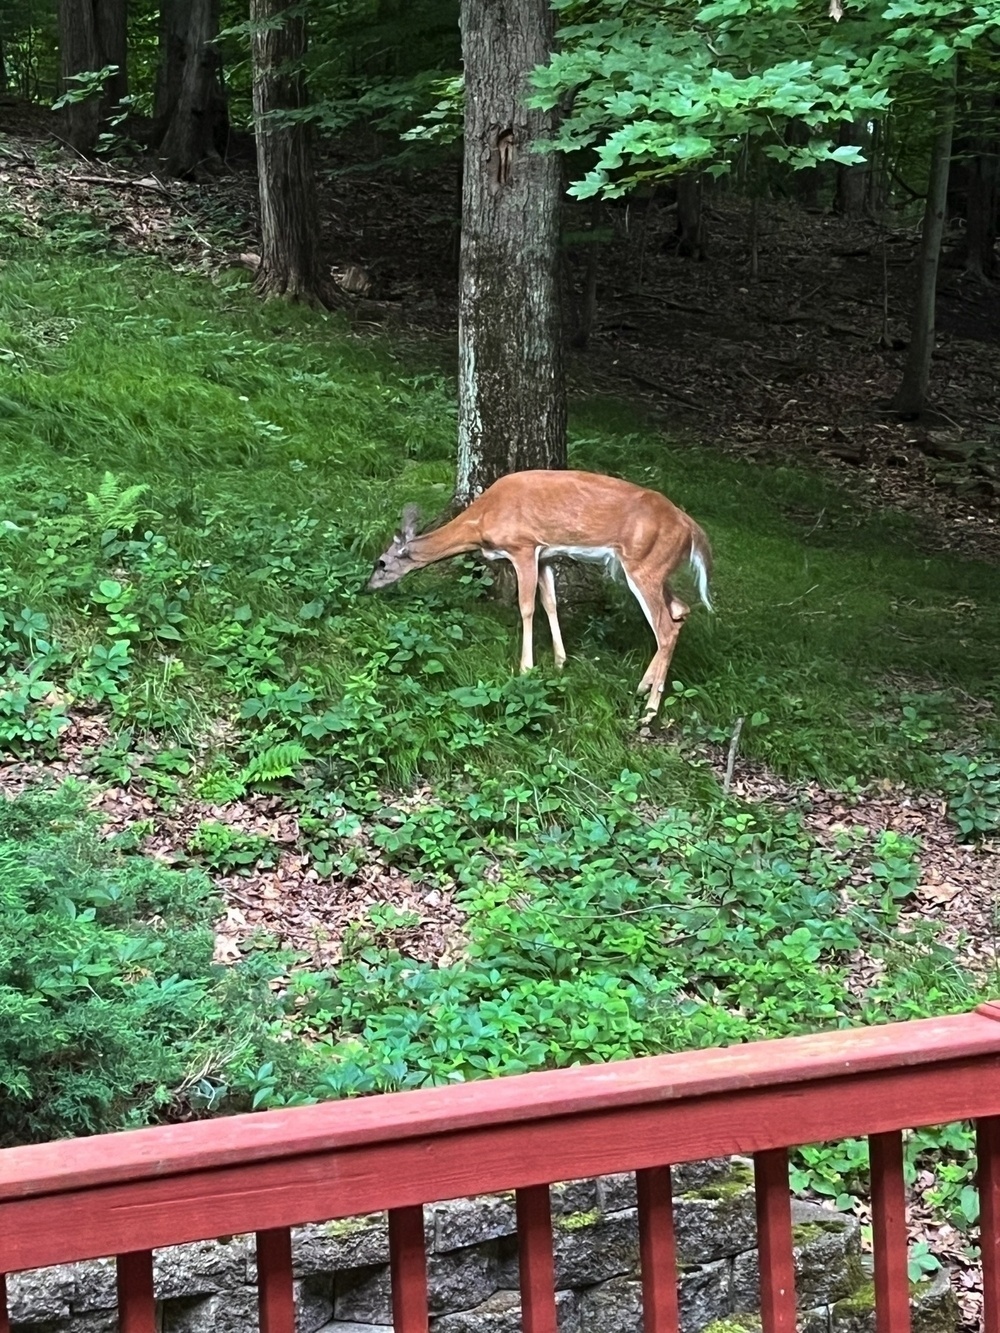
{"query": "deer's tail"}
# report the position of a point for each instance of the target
(700, 559)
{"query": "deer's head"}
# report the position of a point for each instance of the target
(396, 560)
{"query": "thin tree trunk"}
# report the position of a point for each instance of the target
(587, 309)
(512, 400)
(911, 396)
(981, 210)
(690, 222)
(3, 68)
(289, 212)
(852, 182)
(191, 115)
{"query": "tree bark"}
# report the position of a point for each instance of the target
(190, 121)
(92, 35)
(911, 397)
(289, 212)
(690, 223)
(852, 182)
(981, 210)
(512, 398)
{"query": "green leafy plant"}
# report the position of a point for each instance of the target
(973, 787)
(109, 998)
(228, 850)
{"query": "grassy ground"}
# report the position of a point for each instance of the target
(249, 424)
(193, 488)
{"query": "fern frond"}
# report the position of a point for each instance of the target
(277, 761)
(114, 508)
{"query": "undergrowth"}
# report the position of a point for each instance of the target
(112, 1012)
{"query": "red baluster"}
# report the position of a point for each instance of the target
(774, 1241)
(408, 1266)
(892, 1283)
(275, 1292)
(657, 1250)
(136, 1306)
(988, 1179)
(4, 1319)
(534, 1240)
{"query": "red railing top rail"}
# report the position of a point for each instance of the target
(163, 1151)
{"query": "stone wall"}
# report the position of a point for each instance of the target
(342, 1278)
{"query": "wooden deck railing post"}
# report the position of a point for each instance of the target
(889, 1235)
(657, 1250)
(275, 1288)
(136, 1305)
(774, 1241)
(408, 1268)
(535, 1261)
(4, 1319)
(988, 1180)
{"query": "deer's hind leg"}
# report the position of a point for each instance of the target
(666, 615)
(547, 592)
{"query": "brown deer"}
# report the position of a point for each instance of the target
(529, 518)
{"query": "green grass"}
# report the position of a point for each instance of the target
(243, 420)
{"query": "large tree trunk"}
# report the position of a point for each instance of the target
(289, 213)
(911, 396)
(190, 121)
(92, 35)
(512, 398)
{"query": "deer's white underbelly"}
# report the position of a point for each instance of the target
(597, 555)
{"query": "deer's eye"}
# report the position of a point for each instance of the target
(381, 562)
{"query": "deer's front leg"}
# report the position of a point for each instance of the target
(526, 568)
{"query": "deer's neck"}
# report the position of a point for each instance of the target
(455, 538)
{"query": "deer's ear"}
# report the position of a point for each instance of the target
(411, 516)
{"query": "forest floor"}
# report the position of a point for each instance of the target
(794, 366)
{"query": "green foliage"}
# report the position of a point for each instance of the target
(111, 1009)
(226, 849)
(658, 91)
(973, 788)
(598, 930)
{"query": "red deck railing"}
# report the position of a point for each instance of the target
(127, 1194)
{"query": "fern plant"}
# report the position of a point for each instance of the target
(282, 760)
(114, 507)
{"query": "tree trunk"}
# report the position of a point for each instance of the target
(175, 21)
(690, 225)
(92, 35)
(190, 122)
(981, 211)
(852, 182)
(3, 68)
(289, 212)
(111, 21)
(911, 396)
(512, 397)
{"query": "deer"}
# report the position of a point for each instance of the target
(530, 518)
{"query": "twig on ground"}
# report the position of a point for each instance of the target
(734, 741)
